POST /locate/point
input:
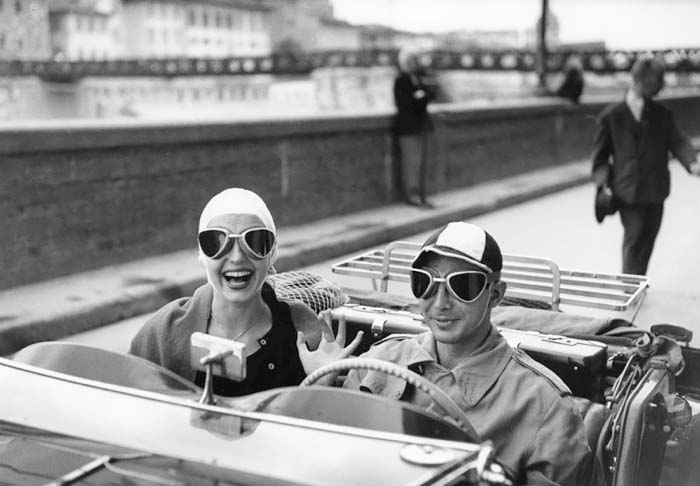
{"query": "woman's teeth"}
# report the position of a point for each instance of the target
(238, 276)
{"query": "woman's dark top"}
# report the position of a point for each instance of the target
(274, 365)
(165, 340)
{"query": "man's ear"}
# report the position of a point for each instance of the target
(497, 292)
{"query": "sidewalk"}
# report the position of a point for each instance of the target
(76, 303)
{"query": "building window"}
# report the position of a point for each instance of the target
(18, 6)
(190, 17)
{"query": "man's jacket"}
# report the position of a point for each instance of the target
(638, 172)
(412, 116)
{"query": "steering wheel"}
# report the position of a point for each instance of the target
(439, 397)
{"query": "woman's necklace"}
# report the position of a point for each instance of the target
(215, 324)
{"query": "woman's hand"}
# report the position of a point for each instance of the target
(332, 348)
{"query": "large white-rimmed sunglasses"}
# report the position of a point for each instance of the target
(466, 286)
(216, 242)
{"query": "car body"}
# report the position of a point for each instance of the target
(73, 414)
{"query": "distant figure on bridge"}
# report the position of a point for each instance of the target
(413, 126)
(630, 159)
(572, 86)
(237, 247)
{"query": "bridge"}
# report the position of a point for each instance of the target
(683, 60)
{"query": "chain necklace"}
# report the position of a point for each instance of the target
(214, 323)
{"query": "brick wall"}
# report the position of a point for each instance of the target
(77, 196)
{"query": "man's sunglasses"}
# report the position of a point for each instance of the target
(216, 242)
(466, 286)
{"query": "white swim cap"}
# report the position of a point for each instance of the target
(236, 201)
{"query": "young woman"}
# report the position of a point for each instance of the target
(237, 246)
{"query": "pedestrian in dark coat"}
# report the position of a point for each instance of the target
(572, 86)
(412, 126)
(630, 156)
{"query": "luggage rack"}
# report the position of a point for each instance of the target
(531, 278)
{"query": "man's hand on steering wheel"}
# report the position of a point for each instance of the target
(331, 349)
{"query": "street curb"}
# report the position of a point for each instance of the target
(347, 243)
(150, 296)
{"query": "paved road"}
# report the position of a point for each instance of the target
(562, 227)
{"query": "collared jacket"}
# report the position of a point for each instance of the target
(518, 404)
(412, 116)
(638, 172)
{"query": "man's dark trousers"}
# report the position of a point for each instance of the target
(641, 223)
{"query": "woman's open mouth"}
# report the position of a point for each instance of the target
(238, 279)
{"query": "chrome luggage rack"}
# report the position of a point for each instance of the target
(531, 278)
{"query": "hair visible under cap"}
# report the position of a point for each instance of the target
(236, 201)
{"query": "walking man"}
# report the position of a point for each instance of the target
(630, 158)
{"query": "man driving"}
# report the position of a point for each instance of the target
(511, 400)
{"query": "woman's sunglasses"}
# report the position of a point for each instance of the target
(216, 242)
(466, 286)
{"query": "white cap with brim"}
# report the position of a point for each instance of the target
(464, 241)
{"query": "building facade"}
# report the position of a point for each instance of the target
(227, 28)
(83, 33)
(141, 29)
(153, 29)
(24, 30)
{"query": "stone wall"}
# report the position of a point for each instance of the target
(81, 195)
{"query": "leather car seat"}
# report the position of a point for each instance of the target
(594, 416)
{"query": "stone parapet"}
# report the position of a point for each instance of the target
(77, 195)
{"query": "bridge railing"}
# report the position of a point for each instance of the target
(678, 60)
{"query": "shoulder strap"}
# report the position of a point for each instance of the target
(541, 370)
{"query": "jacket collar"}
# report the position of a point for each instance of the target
(477, 373)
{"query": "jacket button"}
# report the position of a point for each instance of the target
(271, 366)
(263, 341)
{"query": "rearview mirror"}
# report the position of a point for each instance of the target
(219, 356)
(227, 357)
